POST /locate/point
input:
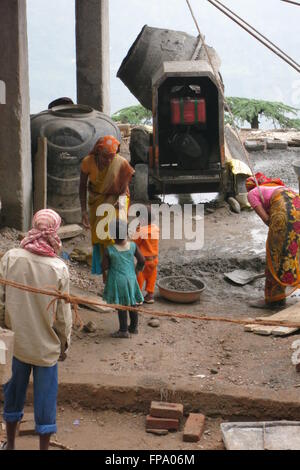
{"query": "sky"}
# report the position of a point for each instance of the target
(248, 68)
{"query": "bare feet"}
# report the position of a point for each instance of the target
(264, 305)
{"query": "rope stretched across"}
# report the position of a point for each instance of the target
(256, 34)
(75, 301)
(220, 87)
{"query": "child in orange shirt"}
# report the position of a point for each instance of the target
(147, 239)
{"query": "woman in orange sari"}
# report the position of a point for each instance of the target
(106, 175)
(279, 208)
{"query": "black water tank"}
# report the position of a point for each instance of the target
(71, 131)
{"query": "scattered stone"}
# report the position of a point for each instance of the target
(166, 410)
(158, 432)
(298, 368)
(194, 428)
(175, 320)
(154, 323)
(255, 145)
(69, 231)
(277, 144)
(294, 143)
(80, 255)
(214, 371)
(90, 327)
(234, 205)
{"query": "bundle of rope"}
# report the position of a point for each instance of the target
(76, 301)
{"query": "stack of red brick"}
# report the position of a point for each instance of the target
(165, 417)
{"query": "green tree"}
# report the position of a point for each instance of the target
(135, 115)
(246, 110)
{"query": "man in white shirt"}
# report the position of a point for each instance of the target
(42, 336)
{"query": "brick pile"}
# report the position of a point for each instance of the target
(165, 417)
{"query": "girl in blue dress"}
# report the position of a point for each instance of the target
(121, 287)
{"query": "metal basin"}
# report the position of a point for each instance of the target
(178, 296)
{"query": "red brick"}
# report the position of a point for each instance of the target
(166, 410)
(162, 423)
(194, 428)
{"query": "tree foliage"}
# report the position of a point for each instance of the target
(135, 115)
(247, 110)
(243, 109)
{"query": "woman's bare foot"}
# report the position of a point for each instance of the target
(264, 305)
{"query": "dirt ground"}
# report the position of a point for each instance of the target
(185, 349)
(80, 429)
(189, 351)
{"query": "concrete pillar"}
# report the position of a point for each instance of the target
(15, 148)
(92, 45)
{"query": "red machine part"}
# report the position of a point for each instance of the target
(188, 111)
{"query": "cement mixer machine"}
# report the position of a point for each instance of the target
(168, 72)
(187, 154)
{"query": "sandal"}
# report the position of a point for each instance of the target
(121, 334)
(133, 331)
(3, 445)
(149, 299)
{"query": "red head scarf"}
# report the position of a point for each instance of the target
(262, 180)
(42, 239)
(106, 146)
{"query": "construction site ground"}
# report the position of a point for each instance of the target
(213, 368)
